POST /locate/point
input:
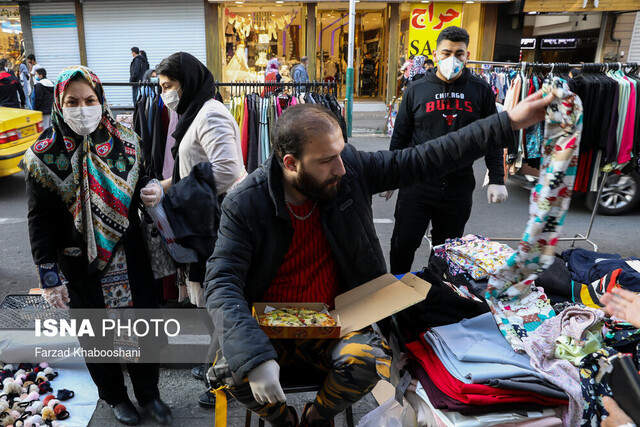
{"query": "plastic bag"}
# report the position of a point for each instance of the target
(178, 252)
(390, 414)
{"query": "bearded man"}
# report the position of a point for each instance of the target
(300, 229)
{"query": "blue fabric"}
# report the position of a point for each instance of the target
(587, 267)
(474, 351)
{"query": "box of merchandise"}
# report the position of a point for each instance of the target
(354, 310)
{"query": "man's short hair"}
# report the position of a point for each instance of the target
(32, 57)
(135, 50)
(304, 59)
(297, 125)
(453, 34)
(42, 72)
(429, 62)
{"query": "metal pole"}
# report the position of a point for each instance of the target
(352, 33)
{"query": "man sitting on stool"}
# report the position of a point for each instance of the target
(300, 229)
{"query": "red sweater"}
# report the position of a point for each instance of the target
(309, 272)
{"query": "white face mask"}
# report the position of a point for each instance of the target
(83, 120)
(171, 99)
(450, 67)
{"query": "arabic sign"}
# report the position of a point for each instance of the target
(559, 43)
(426, 22)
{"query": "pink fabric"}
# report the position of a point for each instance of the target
(294, 100)
(626, 144)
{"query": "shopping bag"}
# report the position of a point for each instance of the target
(178, 252)
(389, 414)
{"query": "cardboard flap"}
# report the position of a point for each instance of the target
(374, 305)
(361, 291)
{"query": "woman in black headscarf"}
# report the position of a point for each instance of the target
(206, 132)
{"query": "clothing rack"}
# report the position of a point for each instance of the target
(586, 237)
(332, 87)
(561, 65)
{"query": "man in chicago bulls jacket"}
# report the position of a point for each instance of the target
(445, 100)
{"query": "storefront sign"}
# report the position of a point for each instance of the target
(264, 38)
(527, 43)
(558, 43)
(426, 22)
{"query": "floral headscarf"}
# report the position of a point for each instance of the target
(418, 67)
(273, 66)
(94, 175)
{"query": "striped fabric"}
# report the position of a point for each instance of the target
(309, 271)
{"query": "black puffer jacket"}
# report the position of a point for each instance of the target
(255, 230)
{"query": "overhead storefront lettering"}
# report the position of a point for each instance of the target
(426, 24)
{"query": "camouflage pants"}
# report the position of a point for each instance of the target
(354, 365)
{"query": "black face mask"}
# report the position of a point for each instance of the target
(314, 190)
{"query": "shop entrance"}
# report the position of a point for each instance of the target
(11, 41)
(370, 50)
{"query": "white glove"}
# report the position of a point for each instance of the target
(57, 296)
(264, 381)
(151, 194)
(497, 193)
(387, 194)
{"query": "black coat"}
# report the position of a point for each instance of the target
(194, 214)
(43, 98)
(255, 229)
(11, 92)
(137, 68)
(51, 230)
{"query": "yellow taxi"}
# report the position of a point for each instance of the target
(19, 129)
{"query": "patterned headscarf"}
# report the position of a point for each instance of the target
(273, 66)
(95, 176)
(418, 67)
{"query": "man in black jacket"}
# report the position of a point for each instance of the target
(43, 96)
(11, 93)
(137, 68)
(300, 228)
(441, 102)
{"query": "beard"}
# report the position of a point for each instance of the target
(316, 190)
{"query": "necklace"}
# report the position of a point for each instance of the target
(301, 218)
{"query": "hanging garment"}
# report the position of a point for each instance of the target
(518, 305)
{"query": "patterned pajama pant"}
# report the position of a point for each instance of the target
(354, 365)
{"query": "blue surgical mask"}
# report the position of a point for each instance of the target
(37, 78)
(153, 79)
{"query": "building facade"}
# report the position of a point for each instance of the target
(235, 39)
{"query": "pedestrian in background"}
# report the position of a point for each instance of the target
(136, 70)
(299, 72)
(24, 80)
(11, 92)
(43, 96)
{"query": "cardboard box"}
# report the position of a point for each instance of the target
(355, 309)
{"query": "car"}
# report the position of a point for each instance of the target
(620, 194)
(19, 129)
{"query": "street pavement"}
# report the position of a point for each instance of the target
(180, 390)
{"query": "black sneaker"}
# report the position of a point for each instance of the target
(208, 399)
(198, 372)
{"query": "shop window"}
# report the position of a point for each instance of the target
(11, 40)
(369, 58)
(257, 34)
